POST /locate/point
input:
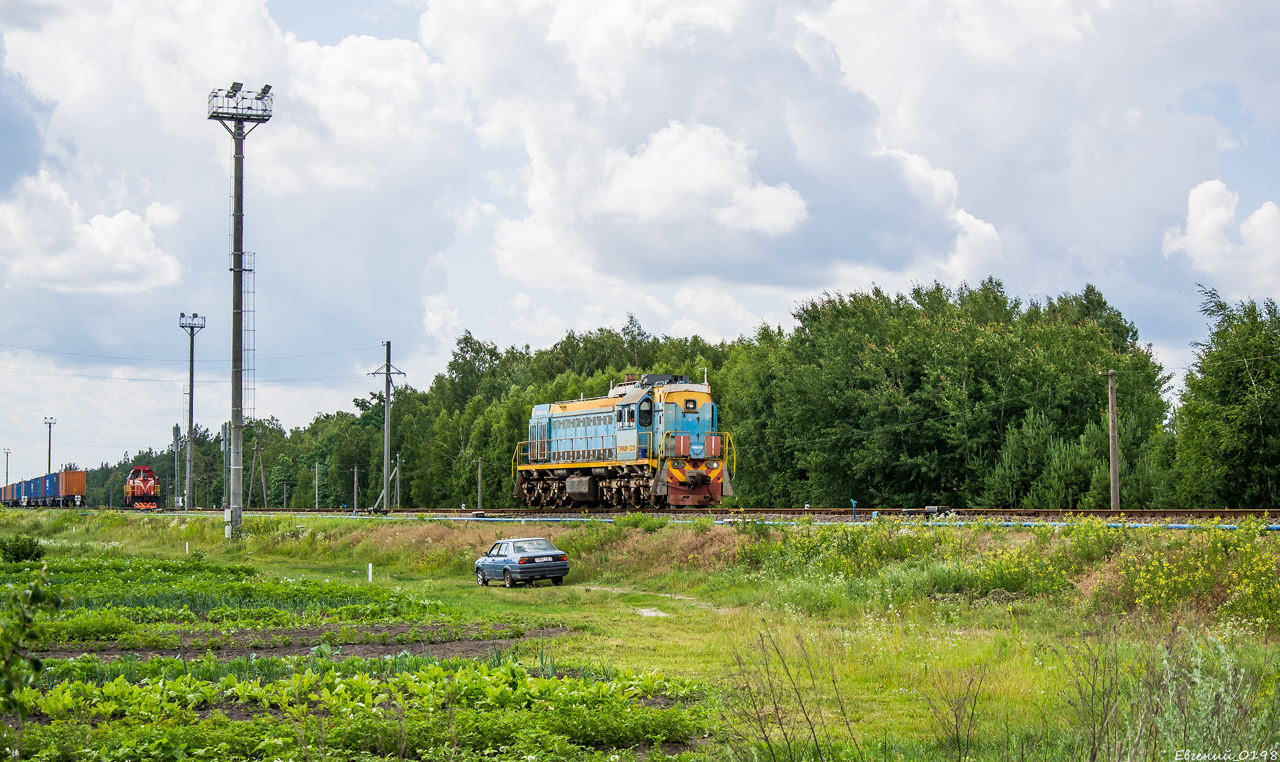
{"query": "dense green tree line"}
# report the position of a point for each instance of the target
(965, 397)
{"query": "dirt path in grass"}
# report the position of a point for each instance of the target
(303, 640)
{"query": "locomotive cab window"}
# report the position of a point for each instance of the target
(631, 415)
(691, 405)
(619, 415)
(646, 412)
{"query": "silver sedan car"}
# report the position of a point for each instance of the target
(524, 559)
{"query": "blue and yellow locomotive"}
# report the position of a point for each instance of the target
(653, 441)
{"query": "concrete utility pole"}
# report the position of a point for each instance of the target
(317, 485)
(192, 326)
(387, 370)
(49, 422)
(480, 484)
(355, 488)
(177, 444)
(226, 465)
(1115, 441)
(232, 108)
(6, 466)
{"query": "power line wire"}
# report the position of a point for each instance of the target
(37, 372)
(159, 359)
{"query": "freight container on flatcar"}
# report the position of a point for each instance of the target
(62, 488)
(74, 486)
(652, 441)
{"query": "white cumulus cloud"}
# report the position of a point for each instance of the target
(692, 172)
(977, 245)
(46, 239)
(711, 314)
(1249, 266)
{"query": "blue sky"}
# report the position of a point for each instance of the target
(520, 169)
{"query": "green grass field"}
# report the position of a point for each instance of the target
(881, 641)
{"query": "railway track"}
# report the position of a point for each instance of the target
(825, 513)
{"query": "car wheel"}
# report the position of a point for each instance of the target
(557, 581)
(507, 580)
(480, 578)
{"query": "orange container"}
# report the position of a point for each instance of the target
(73, 483)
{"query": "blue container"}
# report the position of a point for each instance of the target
(51, 485)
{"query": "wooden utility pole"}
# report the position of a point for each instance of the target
(1115, 441)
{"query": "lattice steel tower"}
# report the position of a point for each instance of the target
(233, 108)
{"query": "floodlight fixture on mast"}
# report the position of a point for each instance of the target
(233, 109)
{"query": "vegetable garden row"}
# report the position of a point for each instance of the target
(310, 705)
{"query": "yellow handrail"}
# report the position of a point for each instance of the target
(733, 450)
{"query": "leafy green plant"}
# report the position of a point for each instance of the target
(20, 549)
(643, 521)
(18, 670)
(85, 625)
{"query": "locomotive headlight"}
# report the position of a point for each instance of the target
(713, 464)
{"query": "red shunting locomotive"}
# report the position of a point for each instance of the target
(141, 490)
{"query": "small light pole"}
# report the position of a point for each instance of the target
(1114, 440)
(6, 466)
(192, 326)
(49, 422)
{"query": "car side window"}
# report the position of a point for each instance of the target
(506, 549)
(497, 546)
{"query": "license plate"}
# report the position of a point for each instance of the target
(542, 559)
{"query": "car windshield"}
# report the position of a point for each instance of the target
(533, 546)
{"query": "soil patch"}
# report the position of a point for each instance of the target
(303, 640)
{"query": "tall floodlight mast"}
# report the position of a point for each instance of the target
(233, 108)
(192, 326)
